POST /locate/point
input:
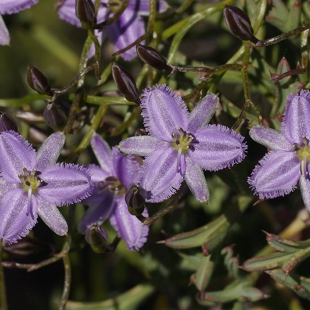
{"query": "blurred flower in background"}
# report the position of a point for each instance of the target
(124, 31)
(11, 7)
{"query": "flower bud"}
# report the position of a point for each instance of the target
(7, 122)
(86, 13)
(30, 117)
(135, 199)
(97, 237)
(151, 57)
(54, 116)
(125, 83)
(38, 81)
(239, 23)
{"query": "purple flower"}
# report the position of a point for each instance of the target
(113, 178)
(32, 184)
(11, 7)
(288, 161)
(180, 144)
(124, 31)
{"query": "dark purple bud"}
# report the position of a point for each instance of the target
(151, 57)
(239, 23)
(97, 237)
(54, 116)
(86, 13)
(125, 83)
(38, 81)
(7, 122)
(135, 199)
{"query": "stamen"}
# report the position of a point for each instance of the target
(29, 204)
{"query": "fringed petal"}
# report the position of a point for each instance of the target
(101, 207)
(270, 138)
(160, 177)
(203, 112)
(276, 174)
(164, 112)
(296, 123)
(49, 151)
(67, 13)
(16, 154)
(128, 226)
(140, 145)
(15, 6)
(124, 31)
(196, 181)
(126, 168)
(217, 148)
(15, 223)
(103, 154)
(52, 217)
(97, 174)
(65, 184)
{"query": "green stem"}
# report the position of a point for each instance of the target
(93, 127)
(3, 301)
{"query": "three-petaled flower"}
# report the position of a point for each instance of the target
(11, 7)
(112, 179)
(289, 158)
(124, 31)
(180, 144)
(32, 184)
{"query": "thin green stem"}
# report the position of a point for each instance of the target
(283, 36)
(67, 280)
(93, 127)
(3, 301)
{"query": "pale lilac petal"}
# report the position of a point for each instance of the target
(67, 13)
(65, 184)
(126, 168)
(164, 112)
(128, 226)
(15, 223)
(15, 6)
(203, 112)
(49, 151)
(196, 181)
(97, 174)
(270, 138)
(296, 123)
(16, 154)
(4, 33)
(276, 174)
(52, 217)
(140, 145)
(305, 191)
(159, 175)
(103, 154)
(101, 208)
(143, 6)
(127, 29)
(217, 148)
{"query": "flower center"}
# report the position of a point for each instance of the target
(182, 142)
(114, 185)
(303, 154)
(30, 182)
